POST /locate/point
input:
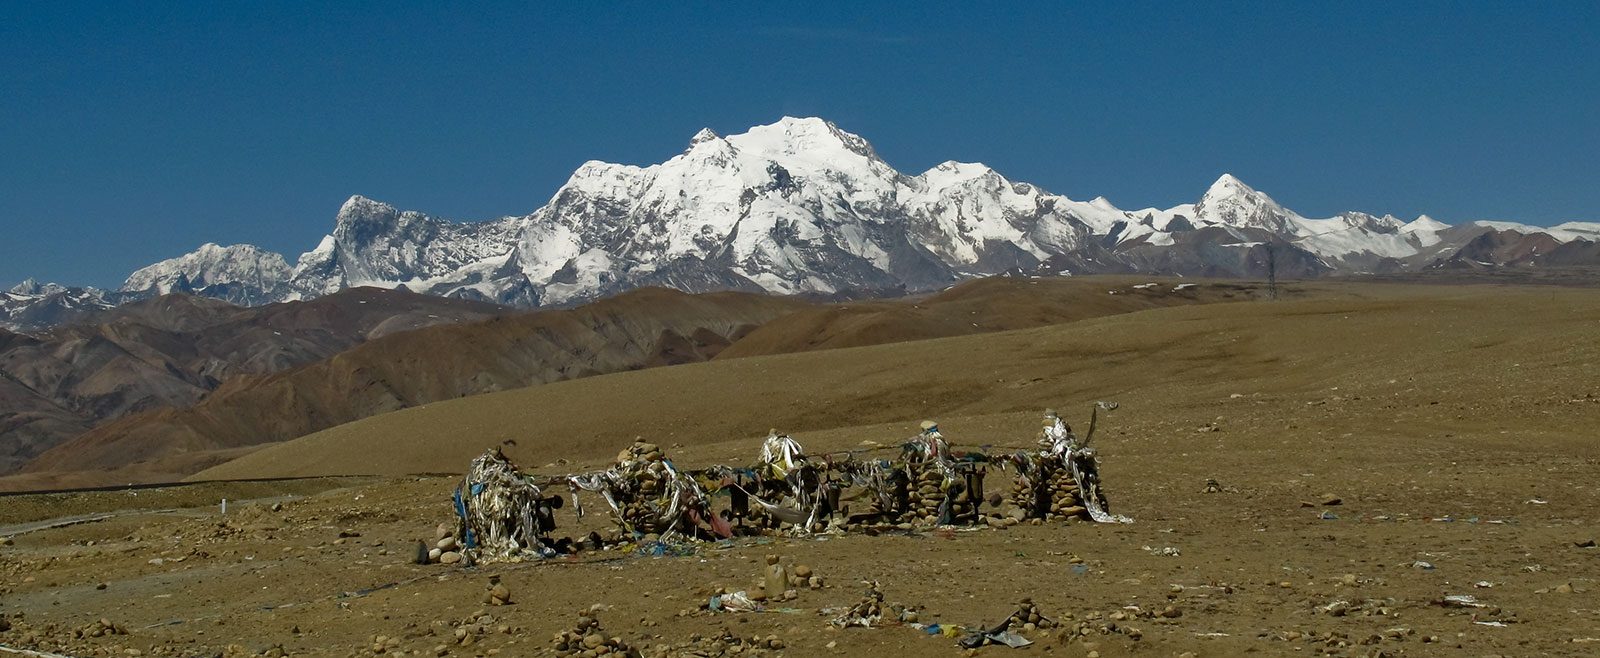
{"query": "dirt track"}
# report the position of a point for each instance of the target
(1457, 427)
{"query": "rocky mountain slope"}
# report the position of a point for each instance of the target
(801, 206)
(640, 329)
(31, 305)
(173, 350)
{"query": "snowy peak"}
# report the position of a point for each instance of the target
(31, 286)
(1229, 185)
(1423, 223)
(1229, 202)
(248, 274)
(31, 305)
(808, 137)
(705, 135)
(950, 173)
(361, 210)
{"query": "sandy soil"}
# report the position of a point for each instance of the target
(1457, 426)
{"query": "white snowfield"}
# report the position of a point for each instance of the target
(796, 206)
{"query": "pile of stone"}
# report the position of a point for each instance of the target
(383, 644)
(645, 466)
(779, 582)
(478, 626)
(925, 495)
(725, 643)
(866, 613)
(587, 640)
(801, 576)
(498, 594)
(1028, 618)
(1094, 625)
(1048, 492)
(100, 628)
(446, 547)
(1065, 502)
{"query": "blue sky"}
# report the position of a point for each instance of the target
(131, 132)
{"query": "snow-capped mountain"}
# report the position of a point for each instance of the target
(374, 244)
(241, 274)
(801, 206)
(33, 305)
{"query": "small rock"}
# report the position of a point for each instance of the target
(1330, 499)
(802, 571)
(446, 544)
(449, 557)
(1564, 588)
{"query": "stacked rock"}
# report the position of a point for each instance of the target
(1028, 617)
(965, 501)
(446, 547)
(721, 644)
(801, 576)
(1048, 493)
(1064, 501)
(865, 613)
(645, 465)
(100, 628)
(498, 594)
(1030, 493)
(926, 494)
(587, 639)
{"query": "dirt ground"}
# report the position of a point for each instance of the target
(1458, 428)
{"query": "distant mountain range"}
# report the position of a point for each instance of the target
(174, 350)
(800, 206)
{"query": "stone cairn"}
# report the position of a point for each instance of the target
(1028, 618)
(1044, 487)
(935, 479)
(1064, 500)
(446, 547)
(865, 613)
(644, 464)
(926, 493)
(587, 639)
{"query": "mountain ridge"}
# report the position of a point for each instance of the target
(796, 206)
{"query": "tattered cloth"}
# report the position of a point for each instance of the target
(501, 510)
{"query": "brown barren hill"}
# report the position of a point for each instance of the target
(170, 351)
(982, 306)
(634, 330)
(1404, 362)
